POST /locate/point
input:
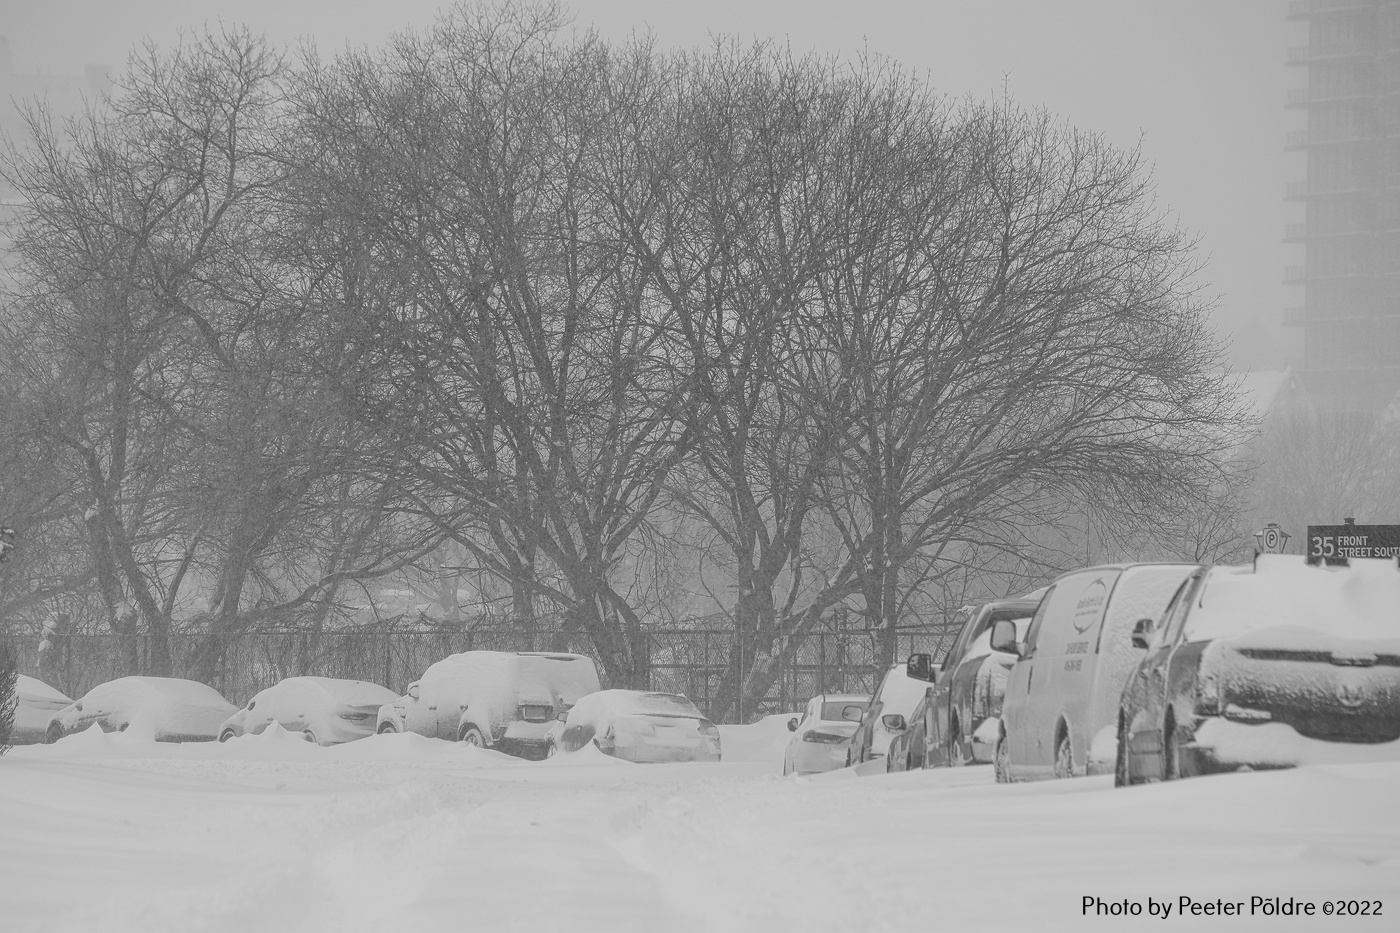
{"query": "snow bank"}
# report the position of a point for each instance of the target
(1276, 744)
(31, 688)
(763, 742)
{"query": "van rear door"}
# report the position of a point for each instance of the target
(1064, 676)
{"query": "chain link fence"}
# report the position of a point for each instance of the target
(681, 660)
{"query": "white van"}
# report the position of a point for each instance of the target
(1061, 704)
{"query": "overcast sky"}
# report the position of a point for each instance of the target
(1199, 84)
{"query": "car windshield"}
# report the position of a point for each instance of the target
(844, 710)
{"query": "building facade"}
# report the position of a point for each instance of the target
(1350, 278)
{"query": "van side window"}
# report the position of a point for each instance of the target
(1036, 621)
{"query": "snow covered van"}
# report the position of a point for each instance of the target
(495, 699)
(1060, 710)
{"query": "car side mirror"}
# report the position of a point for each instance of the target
(1004, 637)
(919, 667)
(1142, 632)
(852, 713)
(792, 724)
(893, 722)
(562, 715)
(413, 691)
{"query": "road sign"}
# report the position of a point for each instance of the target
(1271, 538)
(1336, 543)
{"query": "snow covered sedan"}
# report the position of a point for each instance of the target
(326, 710)
(1267, 665)
(167, 708)
(640, 726)
(36, 704)
(907, 749)
(886, 715)
(505, 700)
(822, 733)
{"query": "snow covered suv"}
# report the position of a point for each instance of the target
(493, 699)
(1265, 666)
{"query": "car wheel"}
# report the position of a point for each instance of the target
(1171, 765)
(54, 733)
(226, 735)
(1121, 777)
(1001, 761)
(309, 736)
(956, 757)
(1064, 758)
(386, 728)
(472, 736)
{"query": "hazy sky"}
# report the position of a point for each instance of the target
(1200, 84)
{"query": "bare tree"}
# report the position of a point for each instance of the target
(516, 349)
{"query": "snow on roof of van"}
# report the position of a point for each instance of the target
(1281, 592)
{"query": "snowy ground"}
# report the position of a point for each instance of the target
(404, 834)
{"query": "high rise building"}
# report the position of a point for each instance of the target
(1350, 279)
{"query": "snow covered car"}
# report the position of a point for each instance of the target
(907, 749)
(36, 703)
(1265, 666)
(327, 710)
(505, 700)
(820, 735)
(886, 715)
(640, 726)
(971, 684)
(173, 710)
(1061, 703)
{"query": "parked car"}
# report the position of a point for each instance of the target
(174, 710)
(1061, 704)
(907, 749)
(820, 735)
(1264, 666)
(326, 710)
(887, 715)
(971, 683)
(637, 725)
(493, 699)
(36, 704)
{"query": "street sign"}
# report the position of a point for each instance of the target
(1336, 543)
(1271, 538)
